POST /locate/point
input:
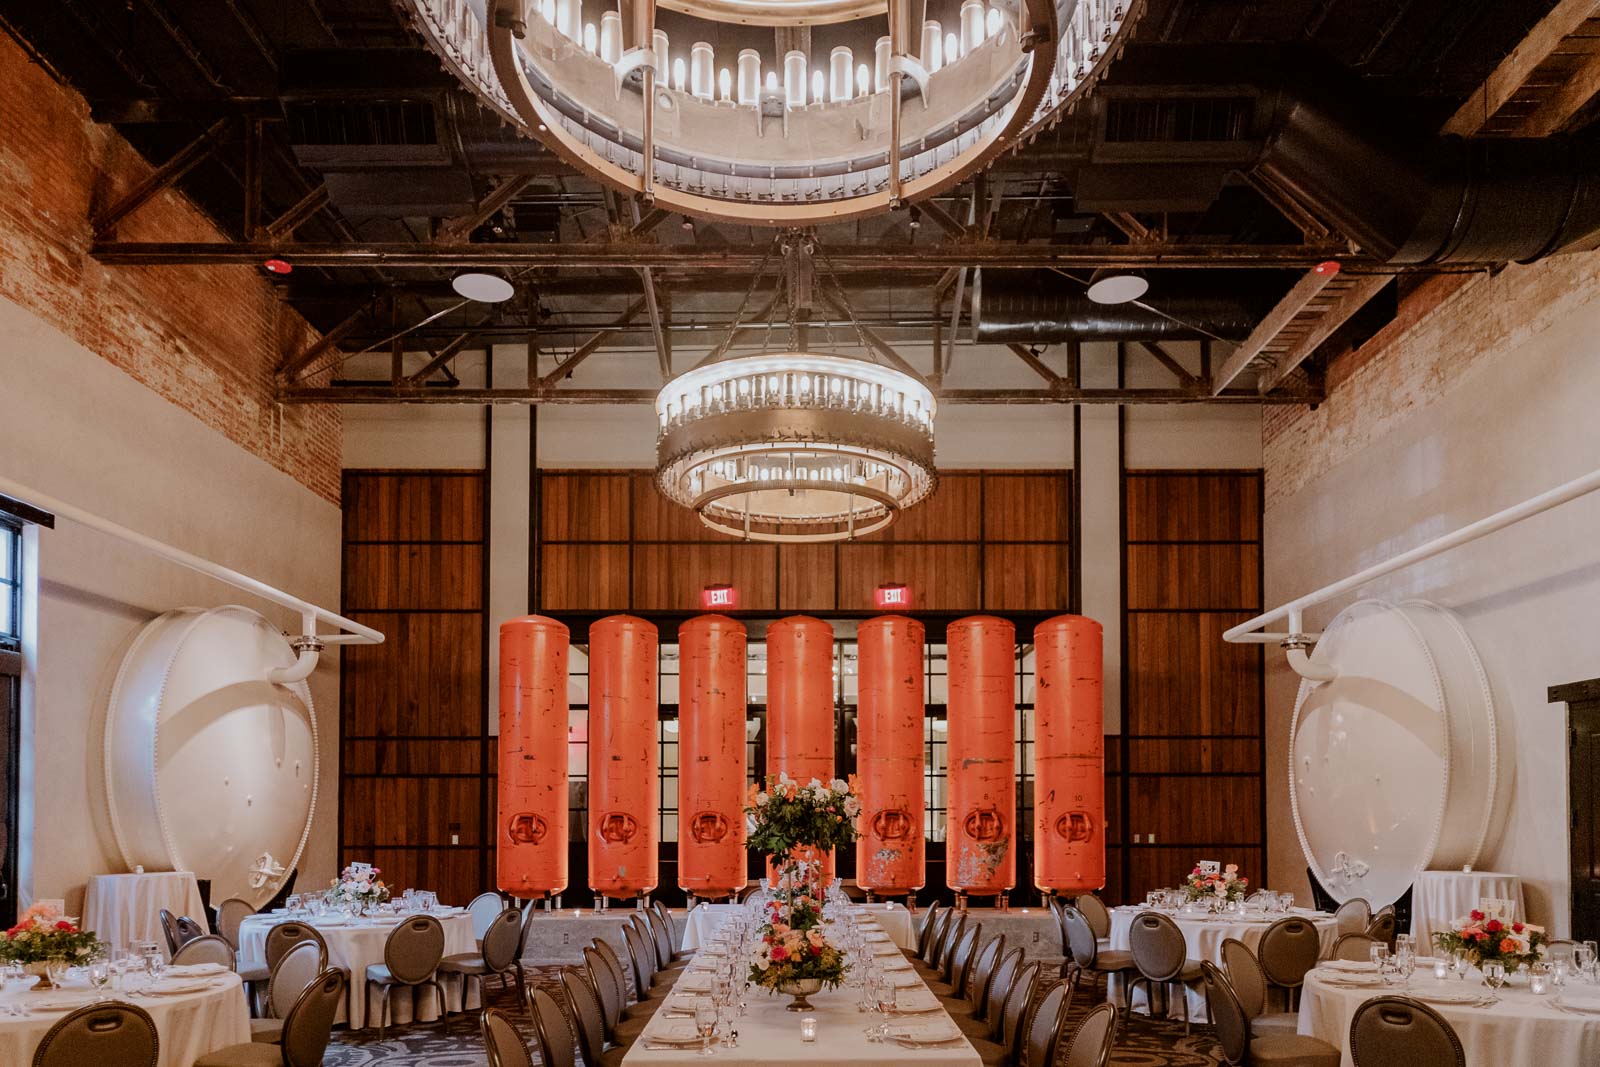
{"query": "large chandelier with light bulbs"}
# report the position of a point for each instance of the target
(778, 112)
(796, 445)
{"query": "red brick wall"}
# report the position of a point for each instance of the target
(205, 338)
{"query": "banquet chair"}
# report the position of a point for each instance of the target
(1357, 947)
(659, 923)
(1042, 1033)
(306, 1030)
(109, 1034)
(1250, 986)
(642, 1009)
(296, 970)
(502, 1043)
(169, 930)
(985, 1024)
(1094, 909)
(1401, 1032)
(1239, 1049)
(642, 954)
(208, 948)
(284, 936)
(1289, 948)
(664, 917)
(1382, 926)
(622, 1025)
(496, 955)
(1090, 1045)
(1353, 916)
(931, 952)
(960, 962)
(411, 956)
(924, 930)
(186, 930)
(1084, 956)
(230, 913)
(941, 969)
(1003, 1048)
(984, 962)
(1161, 956)
(484, 910)
(583, 1003)
(556, 1045)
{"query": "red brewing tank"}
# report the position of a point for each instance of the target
(711, 756)
(624, 757)
(890, 755)
(800, 710)
(982, 765)
(531, 823)
(1069, 846)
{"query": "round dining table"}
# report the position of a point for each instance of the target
(1518, 1029)
(354, 944)
(194, 1013)
(1204, 935)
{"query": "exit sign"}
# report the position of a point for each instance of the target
(893, 596)
(720, 597)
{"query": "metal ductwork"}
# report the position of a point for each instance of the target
(1045, 307)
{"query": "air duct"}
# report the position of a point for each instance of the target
(1045, 307)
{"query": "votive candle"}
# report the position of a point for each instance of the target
(1441, 969)
(808, 1028)
(1538, 984)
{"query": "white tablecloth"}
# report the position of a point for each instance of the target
(189, 1026)
(1521, 1029)
(354, 947)
(705, 920)
(122, 908)
(1205, 936)
(769, 1036)
(1440, 896)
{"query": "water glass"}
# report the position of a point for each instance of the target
(1378, 954)
(1494, 975)
(705, 1023)
(1559, 970)
(100, 974)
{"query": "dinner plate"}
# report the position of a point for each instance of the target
(1441, 996)
(1351, 981)
(178, 987)
(54, 1002)
(926, 1035)
(677, 1032)
(1587, 1005)
(1348, 966)
(197, 970)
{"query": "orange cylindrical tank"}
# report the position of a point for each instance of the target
(624, 757)
(982, 755)
(711, 756)
(531, 833)
(1069, 847)
(890, 755)
(800, 703)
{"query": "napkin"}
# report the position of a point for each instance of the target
(916, 1001)
(932, 1032)
(693, 984)
(674, 1032)
(196, 970)
(1353, 966)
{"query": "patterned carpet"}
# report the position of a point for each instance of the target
(455, 1042)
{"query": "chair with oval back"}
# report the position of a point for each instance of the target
(642, 954)
(924, 931)
(110, 1034)
(1094, 909)
(1382, 926)
(208, 948)
(984, 1023)
(1003, 1047)
(583, 1003)
(1250, 985)
(1287, 950)
(307, 1027)
(1085, 956)
(666, 932)
(623, 1024)
(284, 936)
(1401, 1032)
(984, 961)
(960, 961)
(1161, 956)
(556, 1045)
(1090, 1045)
(1353, 947)
(630, 1012)
(169, 930)
(296, 970)
(230, 913)
(187, 929)
(484, 909)
(927, 960)
(1352, 916)
(502, 1043)
(1042, 1032)
(1233, 1032)
(497, 955)
(947, 954)
(411, 957)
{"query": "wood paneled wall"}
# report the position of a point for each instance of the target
(414, 751)
(1190, 760)
(985, 541)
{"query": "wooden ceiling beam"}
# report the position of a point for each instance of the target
(1360, 290)
(1268, 329)
(1507, 79)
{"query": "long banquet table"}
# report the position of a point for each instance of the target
(702, 924)
(769, 1034)
(355, 945)
(1520, 1029)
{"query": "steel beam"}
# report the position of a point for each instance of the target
(502, 194)
(382, 393)
(588, 348)
(1350, 301)
(162, 177)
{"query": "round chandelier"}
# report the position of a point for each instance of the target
(795, 446)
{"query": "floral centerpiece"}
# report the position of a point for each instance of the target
(358, 885)
(793, 956)
(43, 935)
(1479, 937)
(1225, 886)
(782, 815)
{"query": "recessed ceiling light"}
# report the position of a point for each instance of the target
(1109, 286)
(482, 286)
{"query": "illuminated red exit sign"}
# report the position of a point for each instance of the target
(720, 597)
(892, 596)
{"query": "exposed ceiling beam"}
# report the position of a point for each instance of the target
(181, 163)
(1507, 79)
(1035, 364)
(1566, 100)
(590, 347)
(1361, 289)
(383, 393)
(502, 194)
(298, 366)
(307, 206)
(1169, 361)
(698, 258)
(1267, 330)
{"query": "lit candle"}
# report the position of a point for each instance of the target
(1539, 980)
(808, 1028)
(1441, 969)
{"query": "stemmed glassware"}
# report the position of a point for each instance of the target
(100, 970)
(1494, 976)
(705, 1023)
(14, 981)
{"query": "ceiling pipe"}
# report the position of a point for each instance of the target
(1044, 307)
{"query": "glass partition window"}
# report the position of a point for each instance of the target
(10, 586)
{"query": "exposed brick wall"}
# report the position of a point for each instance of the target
(1444, 330)
(205, 338)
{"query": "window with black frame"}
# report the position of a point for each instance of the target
(10, 712)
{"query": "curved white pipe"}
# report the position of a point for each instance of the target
(304, 664)
(1300, 661)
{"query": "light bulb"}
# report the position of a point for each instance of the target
(992, 22)
(952, 48)
(591, 38)
(725, 84)
(679, 73)
(863, 80)
(772, 81)
(819, 86)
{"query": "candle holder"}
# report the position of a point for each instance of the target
(808, 1028)
(1539, 979)
(1441, 969)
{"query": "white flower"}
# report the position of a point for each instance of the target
(761, 799)
(841, 786)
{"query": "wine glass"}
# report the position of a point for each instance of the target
(886, 1004)
(705, 1023)
(100, 974)
(14, 981)
(1378, 953)
(1494, 976)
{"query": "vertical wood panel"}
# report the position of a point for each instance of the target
(1027, 507)
(806, 577)
(584, 506)
(413, 577)
(941, 577)
(1026, 577)
(670, 577)
(580, 577)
